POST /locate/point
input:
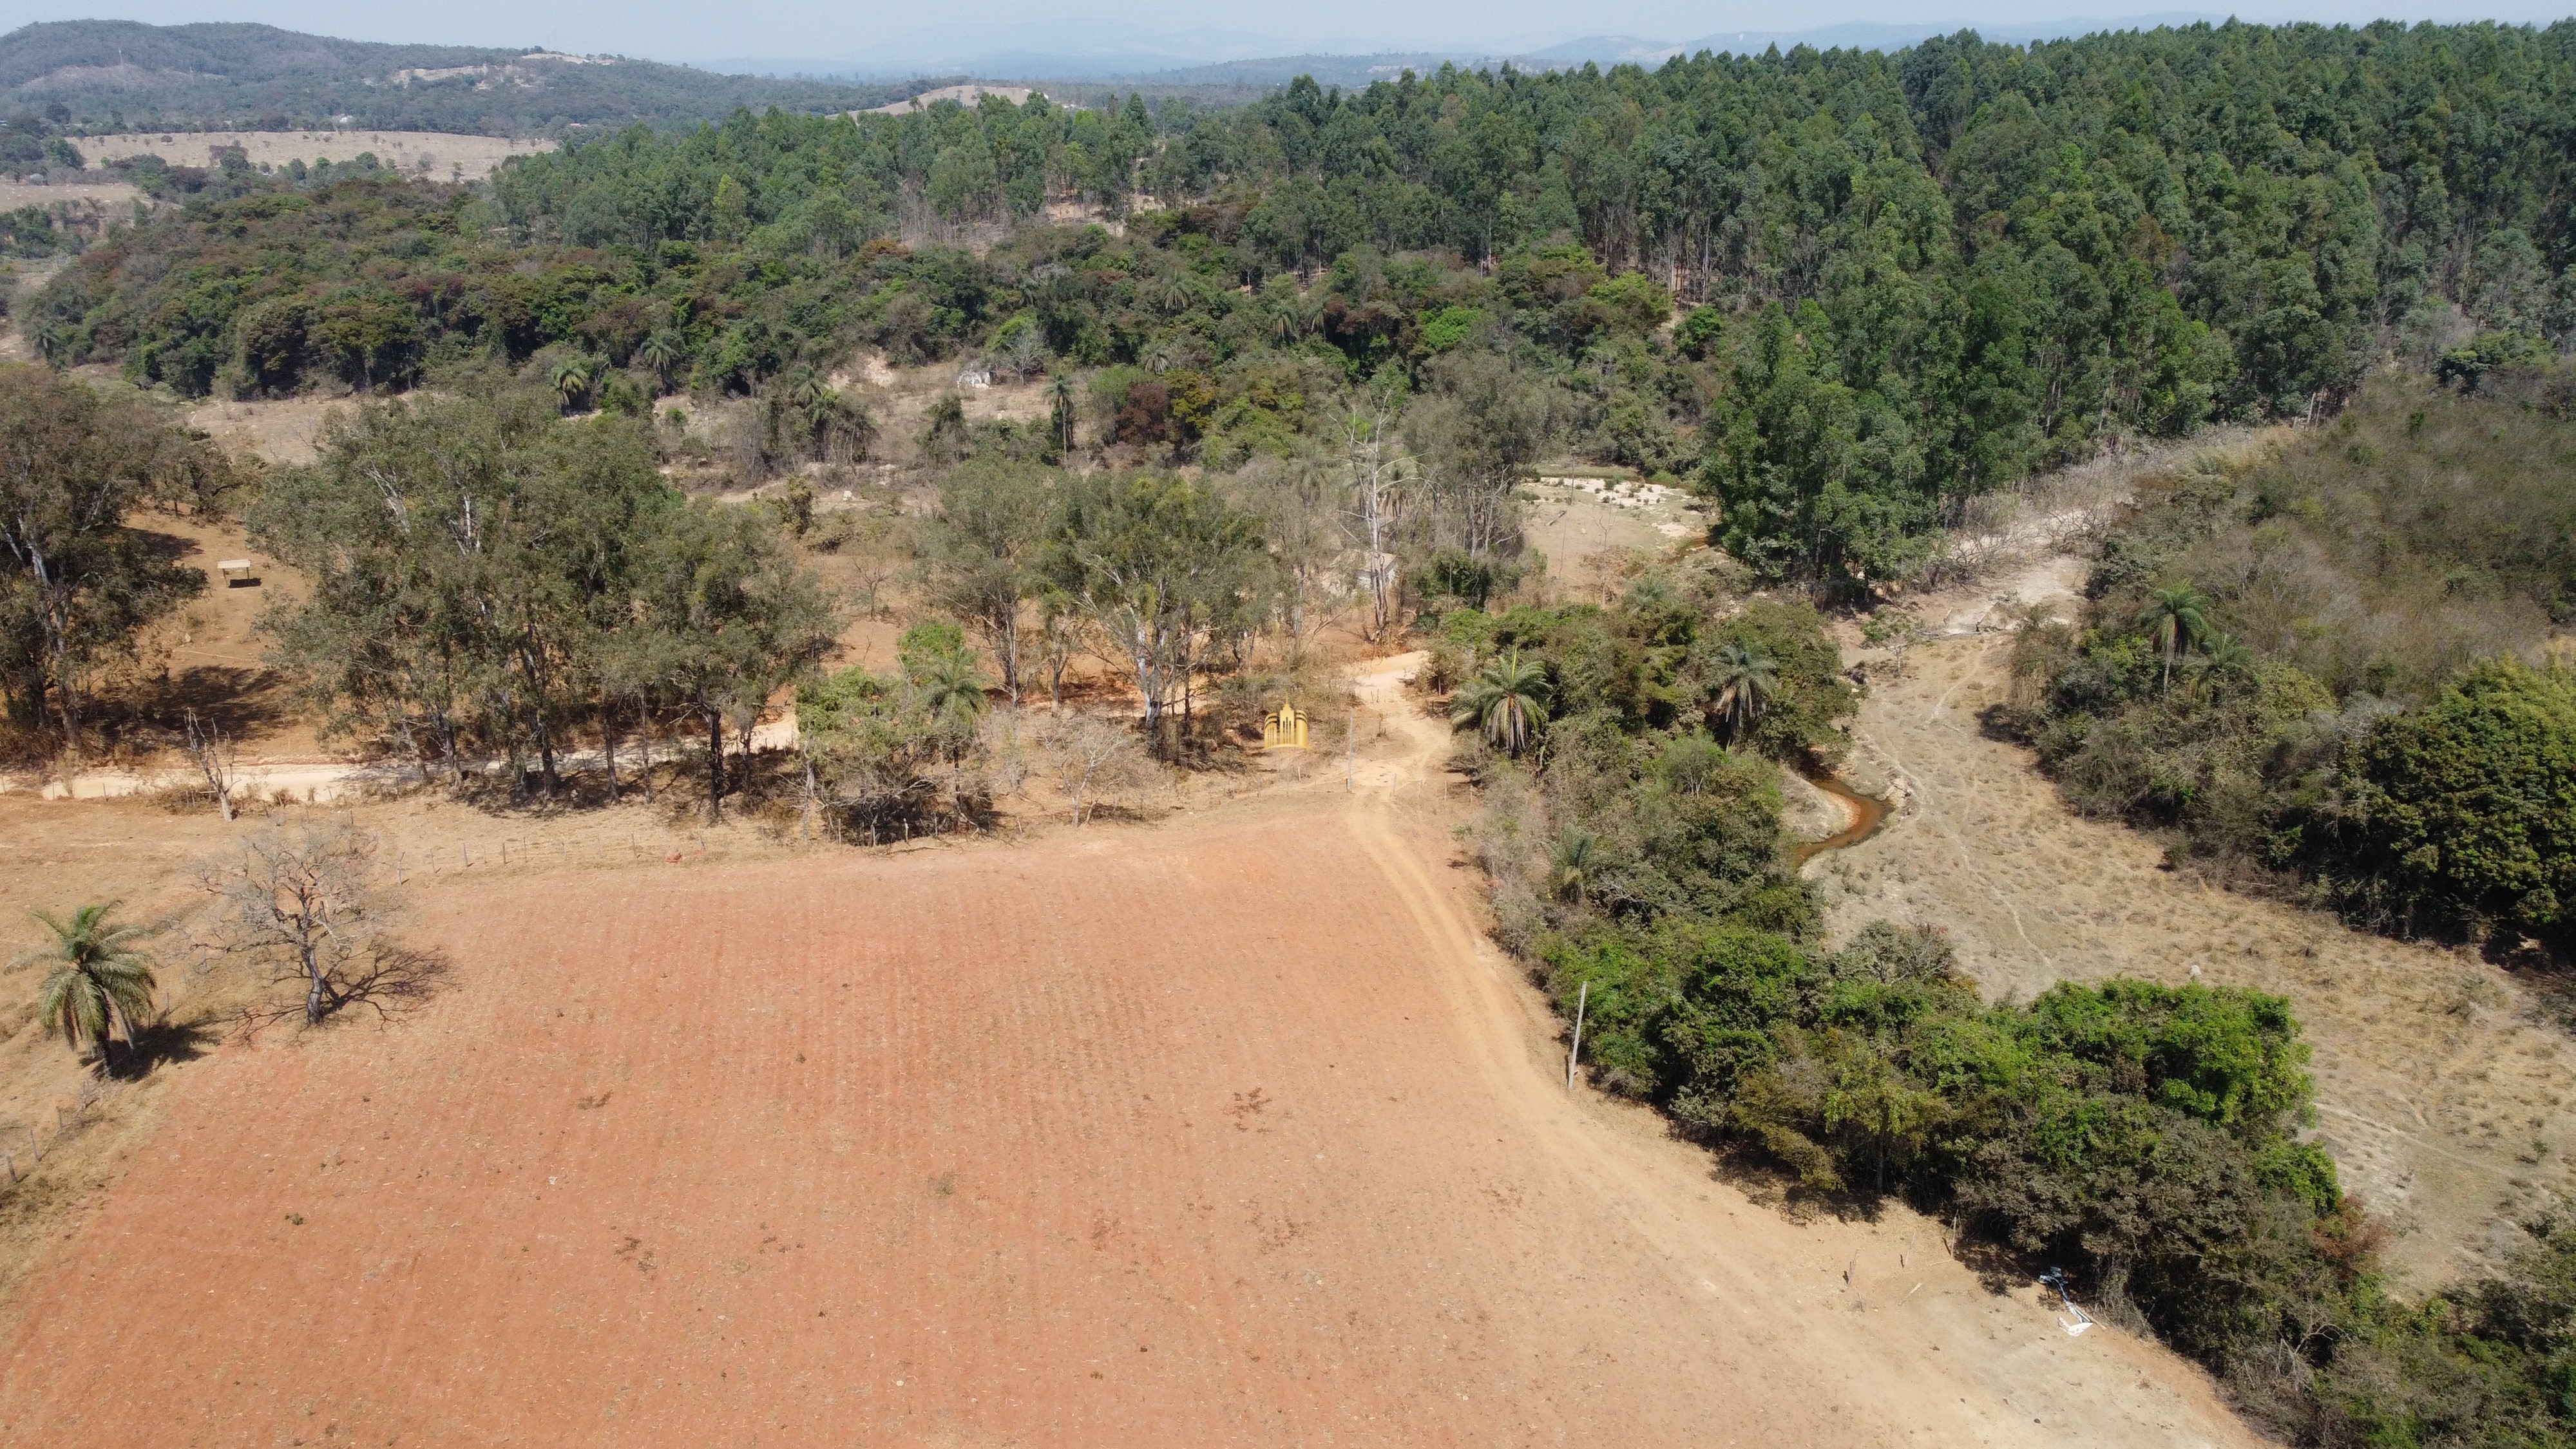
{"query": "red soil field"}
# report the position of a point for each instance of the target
(1225, 1132)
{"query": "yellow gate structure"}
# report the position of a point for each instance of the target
(1285, 730)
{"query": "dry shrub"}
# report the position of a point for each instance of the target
(1094, 762)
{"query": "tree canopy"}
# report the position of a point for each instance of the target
(1843, 292)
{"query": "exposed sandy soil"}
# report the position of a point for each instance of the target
(1228, 1131)
(93, 195)
(278, 431)
(902, 398)
(2442, 1093)
(1585, 530)
(965, 95)
(403, 150)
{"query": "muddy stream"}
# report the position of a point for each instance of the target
(1868, 813)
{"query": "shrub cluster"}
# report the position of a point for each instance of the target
(2324, 669)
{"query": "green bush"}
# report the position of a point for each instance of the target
(1811, 701)
(2465, 812)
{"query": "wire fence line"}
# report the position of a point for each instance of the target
(68, 1122)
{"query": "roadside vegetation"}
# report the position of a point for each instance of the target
(2146, 1139)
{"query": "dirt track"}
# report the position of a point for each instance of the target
(1228, 1131)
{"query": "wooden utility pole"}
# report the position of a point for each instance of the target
(1582, 999)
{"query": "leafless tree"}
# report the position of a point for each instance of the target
(214, 758)
(1301, 503)
(1378, 470)
(1092, 757)
(1025, 352)
(1478, 432)
(1062, 634)
(310, 906)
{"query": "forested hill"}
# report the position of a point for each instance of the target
(118, 75)
(1902, 279)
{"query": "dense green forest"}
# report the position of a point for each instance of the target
(116, 75)
(1905, 278)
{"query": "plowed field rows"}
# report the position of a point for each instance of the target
(1222, 1133)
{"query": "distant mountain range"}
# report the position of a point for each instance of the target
(1112, 50)
(117, 75)
(96, 75)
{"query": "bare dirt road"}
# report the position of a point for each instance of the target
(1232, 1130)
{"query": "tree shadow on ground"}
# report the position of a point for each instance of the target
(388, 983)
(162, 1041)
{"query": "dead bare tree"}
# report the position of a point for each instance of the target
(1377, 472)
(214, 756)
(309, 906)
(1062, 634)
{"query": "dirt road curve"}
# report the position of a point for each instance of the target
(1229, 1131)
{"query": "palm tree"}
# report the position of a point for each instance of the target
(1508, 699)
(952, 693)
(2226, 656)
(2222, 658)
(98, 977)
(571, 379)
(819, 404)
(809, 394)
(2175, 618)
(1746, 679)
(660, 352)
(1572, 862)
(1173, 292)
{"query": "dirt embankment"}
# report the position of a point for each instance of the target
(1232, 1130)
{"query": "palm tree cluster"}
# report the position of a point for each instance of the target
(2177, 620)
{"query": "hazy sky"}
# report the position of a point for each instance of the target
(671, 30)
